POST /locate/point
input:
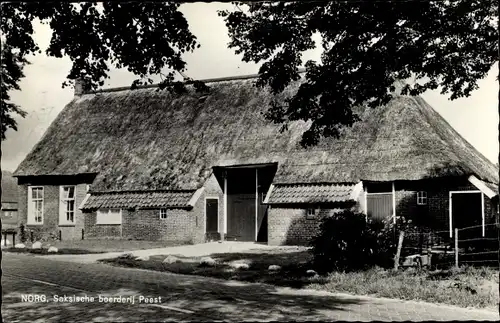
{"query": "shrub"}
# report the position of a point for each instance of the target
(23, 235)
(344, 243)
(347, 241)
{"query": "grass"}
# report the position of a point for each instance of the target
(466, 287)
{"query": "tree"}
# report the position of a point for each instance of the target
(145, 37)
(367, 46)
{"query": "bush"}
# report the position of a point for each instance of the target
(347, 242)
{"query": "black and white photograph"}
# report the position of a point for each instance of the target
(184, 161)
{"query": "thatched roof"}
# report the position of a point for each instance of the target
(146, 139)
(9, 187)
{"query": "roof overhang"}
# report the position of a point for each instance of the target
(313, 193)
(488, 189)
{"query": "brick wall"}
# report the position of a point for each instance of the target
(290, 226)
(99, 231)
(51, 201)
(436, 212)
(181, 225)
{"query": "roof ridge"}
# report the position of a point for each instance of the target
(208, 80)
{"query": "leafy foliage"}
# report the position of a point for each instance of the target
(347, 241)
(367, 46)
(11, 73)
(145, 37)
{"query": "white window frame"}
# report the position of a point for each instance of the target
(422, 198)
(63, 209)
(31, 219)
(312, 212)
(163, 214)
(103, 213)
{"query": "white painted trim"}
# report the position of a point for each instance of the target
(481, 186)
(205, 212)
(109, 210)
(256, 202)
(87, 196)
(268, 194)
(393, 203)
(29, 208)
(196, 196)
(356, 191)
(225, 204)
(450, 215)
(62, 212)
(482, 215)
(365, 190)
(384, 193)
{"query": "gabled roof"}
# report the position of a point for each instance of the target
(146, 139)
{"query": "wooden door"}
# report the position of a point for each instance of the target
(211, 214)
(466, 212)
(241, 184)
(379, 206)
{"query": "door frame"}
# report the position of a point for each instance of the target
(393, 192)
(450, 215)
(205, 211)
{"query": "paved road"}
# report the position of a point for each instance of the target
(185, 298)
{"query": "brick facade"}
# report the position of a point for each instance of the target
(291, 226)
(181, 225)
(51, 200)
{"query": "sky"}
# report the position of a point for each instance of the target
(42, 95)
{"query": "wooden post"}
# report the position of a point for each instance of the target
(83, 234)
(60, 235)
(456, 247)
(31, 236)
(398, 252)
(13, 239)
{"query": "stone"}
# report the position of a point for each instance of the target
(20, 245)
(142, 258)
(53, 249)
(240, 265)
(311, 272)
(207, 261)
(37, 245)
(171, 259)
(274, 268)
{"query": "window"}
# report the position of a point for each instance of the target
(422, 198)
(35, 205)
(67, 205)
(109, 216)
(163, 214)
(311, 213)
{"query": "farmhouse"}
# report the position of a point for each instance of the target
(151, 164)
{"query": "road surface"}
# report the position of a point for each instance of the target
(43, 290)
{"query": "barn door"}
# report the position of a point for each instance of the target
(379, 206)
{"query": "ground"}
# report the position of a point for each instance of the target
(187, 297)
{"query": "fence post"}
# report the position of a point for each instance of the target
(398, 251)
(31, 236)
(83, 234)
(60, 235)
(456, 248)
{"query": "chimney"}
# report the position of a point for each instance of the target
(82, 86)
